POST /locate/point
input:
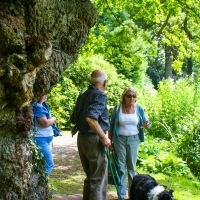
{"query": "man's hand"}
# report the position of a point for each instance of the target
(106, 141)
(94, 125)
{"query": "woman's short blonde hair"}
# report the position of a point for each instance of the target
(125, 91)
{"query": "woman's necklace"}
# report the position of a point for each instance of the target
(129, 111)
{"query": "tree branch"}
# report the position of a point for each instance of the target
(194, 10)
(162, 27)
(188, 33)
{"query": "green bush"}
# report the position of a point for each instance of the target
(62, 101)
(174, 111)
(188, 142)
(157, 156)
(167, 106)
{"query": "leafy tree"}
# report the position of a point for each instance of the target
(120, 42)
(172, 24)
(174, 21)
(125, 49)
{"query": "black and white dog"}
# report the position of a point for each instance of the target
(145, 187)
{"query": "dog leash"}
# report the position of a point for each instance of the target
(112, 172)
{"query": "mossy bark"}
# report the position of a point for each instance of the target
(39, 39)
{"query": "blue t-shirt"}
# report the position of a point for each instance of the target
(41, 111)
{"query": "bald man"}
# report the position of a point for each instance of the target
(91, 116)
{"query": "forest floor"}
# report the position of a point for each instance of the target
(67, 163)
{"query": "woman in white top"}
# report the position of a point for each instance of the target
(126, 131)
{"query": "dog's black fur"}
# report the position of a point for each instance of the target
(141, 187)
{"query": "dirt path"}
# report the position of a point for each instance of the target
(65, 148)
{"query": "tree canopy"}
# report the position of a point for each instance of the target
(169, 30)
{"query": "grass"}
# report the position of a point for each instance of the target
(70, 184)
(67, 178)
(184, 188)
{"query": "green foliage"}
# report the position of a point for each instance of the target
(157, 156)
(120, 42)
(81, 76)
(169, 105)
(172, 21)
(174, 111)
(149, 26)
(37, 163)
(62, 101)
(188, 143)
(125, 49)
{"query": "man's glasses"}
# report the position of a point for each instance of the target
(130, 96)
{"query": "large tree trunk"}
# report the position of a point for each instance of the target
(168, 62)
(39, 39)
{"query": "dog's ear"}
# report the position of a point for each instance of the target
(171, 192)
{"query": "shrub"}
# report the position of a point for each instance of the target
(174, 111)
(62, 101)
(188, 141)
(169, 105)
(157, 156)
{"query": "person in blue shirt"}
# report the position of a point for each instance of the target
(127, 122)
(43, 130)
(91, 116)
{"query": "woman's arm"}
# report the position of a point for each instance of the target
(146, 123)
(43, 121)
